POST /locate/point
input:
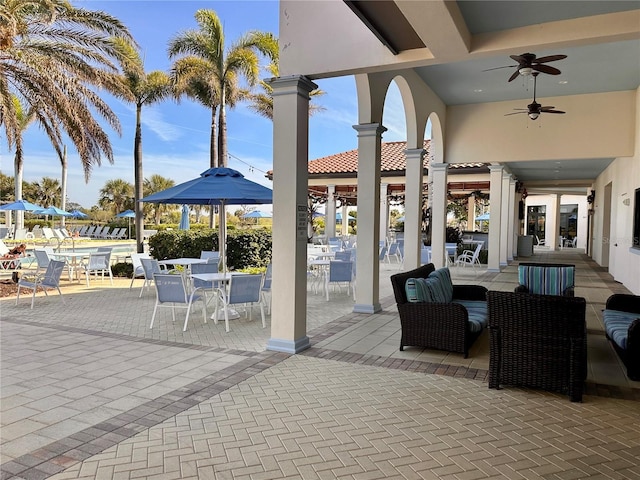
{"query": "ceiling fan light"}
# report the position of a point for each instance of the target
(526, 71)
(533, 115)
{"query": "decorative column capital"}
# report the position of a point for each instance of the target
(291, 84)
(438, 167)
(369, 129)
(417, 153)
(496, 168)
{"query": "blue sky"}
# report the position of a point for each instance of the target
(175, 137)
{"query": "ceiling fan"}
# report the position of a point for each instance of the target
(528, 64)
(534, 109)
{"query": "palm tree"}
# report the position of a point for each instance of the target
(262, 102)
(53, 57)
(116, 195)
(141, 89)
(48, 191)
(23, 118)
(205, 56)
(153, 184)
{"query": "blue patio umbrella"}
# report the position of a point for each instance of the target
(184, 218)
(216, 186)
(400, 219)
(77, 214)
(53, 211)
(482, 218)
(21, 205)
(128, 214)
(257, 214)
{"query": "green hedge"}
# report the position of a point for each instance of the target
(246, 248)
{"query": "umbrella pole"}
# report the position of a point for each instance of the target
(222, 236)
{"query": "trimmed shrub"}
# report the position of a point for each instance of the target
(245, 248)
(122, 269)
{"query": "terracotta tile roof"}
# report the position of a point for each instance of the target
(393, 160)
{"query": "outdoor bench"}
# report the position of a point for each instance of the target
(621, 319)
(434, 313)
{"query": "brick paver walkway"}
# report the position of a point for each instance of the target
(89, 391)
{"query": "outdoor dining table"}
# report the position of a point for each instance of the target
(219, 277)
(183, 261)
(71, 259)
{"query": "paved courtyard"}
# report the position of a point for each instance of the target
(89, 391)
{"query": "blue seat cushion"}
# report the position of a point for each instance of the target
(478, 314)
(616, 324)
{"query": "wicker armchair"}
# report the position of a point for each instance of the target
(442, 326)
(538, 341)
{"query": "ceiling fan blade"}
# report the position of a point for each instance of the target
(514, 75)
(546, 69)
(514, 113)
(553, 111)
(518, 58)
(550, 58)
(546, 107)
(498, 68)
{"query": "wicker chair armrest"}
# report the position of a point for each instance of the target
(624, 303)
(469, 292)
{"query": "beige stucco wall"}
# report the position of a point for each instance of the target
(624, 176)
(549, 201)
(595, 126)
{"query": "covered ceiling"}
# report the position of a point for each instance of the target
(478, 36)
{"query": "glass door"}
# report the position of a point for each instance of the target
(536, 216)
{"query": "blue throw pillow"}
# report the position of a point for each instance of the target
(443, 288)
(418, 290)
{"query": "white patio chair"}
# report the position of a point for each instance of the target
(340, 273)
(207, 254)
(266, 287)
(171, 292)
(394, 251)
(138, 269)
(243, 289)
(98, 264)
(150, 267)
(49, 280)
(42, 258)
(205, 286)
(469, 257)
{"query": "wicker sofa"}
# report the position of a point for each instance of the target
(546, 279)
(439, 325)
(538, 341)
(621, 319)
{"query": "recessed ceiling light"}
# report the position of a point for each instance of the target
(563, 82)
(477, 90)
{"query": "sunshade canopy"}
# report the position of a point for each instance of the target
(257, 214)
(51, 210)
(126, 214)
(215, 186)
(77, 214)
(21, 205)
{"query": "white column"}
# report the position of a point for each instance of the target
(471, 213)
(495, 217)
(384, 211)
(290, 214)
(330, 211)
(438, 202)
(413, 207)
(505, 219)
(556, 226)
(368, 265)
(512, 235)
(345, 224)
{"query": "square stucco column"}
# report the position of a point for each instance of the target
(495, 219)
(555, 238)
(506, 219)
(471, 213)
(438, 201)
(345, 224)
(513, 201)
(413, 207)
(290, 214)
(368, 265)
(330, 217)
(384, 211)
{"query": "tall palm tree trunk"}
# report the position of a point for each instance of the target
(63, 184)
(18, 167)
(138, 180)
(213, 159)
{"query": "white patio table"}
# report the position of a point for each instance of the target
(71, 259)
(221, 278)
